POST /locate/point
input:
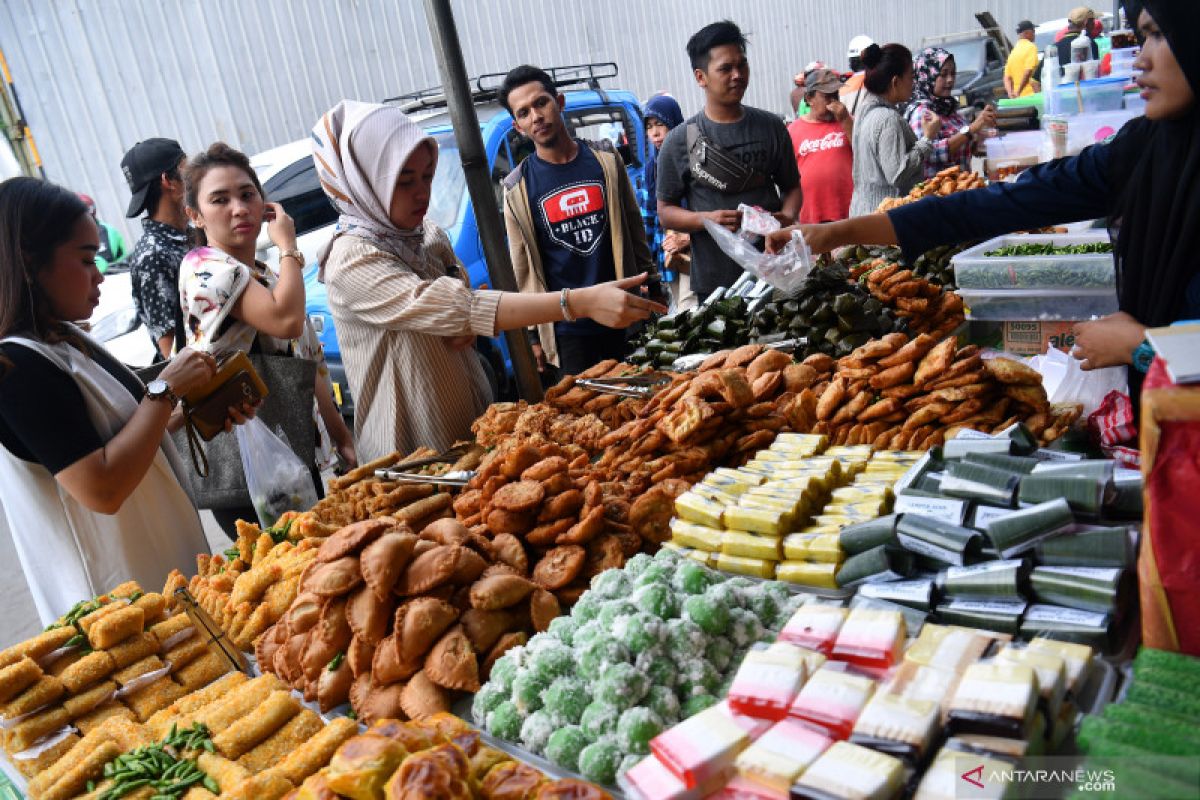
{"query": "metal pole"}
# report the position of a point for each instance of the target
(475, 166)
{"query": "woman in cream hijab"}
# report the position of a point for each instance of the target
(405, 315)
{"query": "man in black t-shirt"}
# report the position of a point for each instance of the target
(754, 137)
(572, 218)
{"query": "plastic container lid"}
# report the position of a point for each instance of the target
(1003, 305)
(975, 270)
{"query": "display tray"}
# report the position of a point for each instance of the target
(1038, 304)
(974, 269)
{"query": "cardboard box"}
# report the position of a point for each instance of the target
(1033, 338)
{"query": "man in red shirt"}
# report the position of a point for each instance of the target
(821, 142)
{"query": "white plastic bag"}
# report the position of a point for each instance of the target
(278, 481)
(756, 222)
(1066, 382)
(786, 270)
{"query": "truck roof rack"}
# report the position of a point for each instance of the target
(486, 87)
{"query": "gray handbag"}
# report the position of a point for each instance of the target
(288, 406)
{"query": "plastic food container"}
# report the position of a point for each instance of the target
(1105, 94)
(1013, 153)
(975, 270)
(1038, 304)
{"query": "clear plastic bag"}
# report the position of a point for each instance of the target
(786, 270)
(278, 481)
(756, 222)
(1066, 382)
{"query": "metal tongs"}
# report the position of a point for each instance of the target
(641, 386)
(211, 633)
(404, 471)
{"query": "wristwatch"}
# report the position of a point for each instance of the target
(1143, 355)
(296, 254)
(158, 389)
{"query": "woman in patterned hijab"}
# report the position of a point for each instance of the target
(406, 317)
(934, 73)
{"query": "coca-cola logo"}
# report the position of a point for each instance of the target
(830, 141)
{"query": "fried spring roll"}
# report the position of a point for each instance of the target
(17, 677)
(113, 709)
(186, 652)
(137, 670)
(170, 626)
(31, 767)
(92, 668)
(160, 724)
(158, 695)
(93, 698)
(134, 649)
(202, 671)
(153, 605)
(126, 589)
(296, 732)
(116, 627)
(226, 773)
(45, 691)
(252, 729)
(25, 734)
(265, 786)
(38, 646)
(79, 772)
(86, 623)
(316, 752)
(220, 715)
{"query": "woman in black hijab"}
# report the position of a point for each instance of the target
(1145, 182)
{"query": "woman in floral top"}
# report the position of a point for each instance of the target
(230, 300)
(934, 73)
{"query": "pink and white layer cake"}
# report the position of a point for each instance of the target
(849, 771)
(780, 755)
(703, 747)
(950, 647)
(994, 699)
(815, 627)
(739, 788)
(871, 638)
(899, 726)
(650, 780)
(767, 681)
(832, 700)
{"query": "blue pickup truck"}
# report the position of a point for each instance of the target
(592, 112)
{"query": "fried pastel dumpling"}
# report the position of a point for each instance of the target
(483, 628)
(511, 780)
(333, 578)
(359, 655)
(353, 538)
(452, 662)
(445, 531)
(362, 764)
(543, 608)
(1032, 396)
(570, 789)
(387, 664)
(1008, 371)
(443, 772)
(509, 550)
(420, 622)
(500, 591)
(333, 686)
(422, 697)
(380, 702)
(368, 614)
(519, 496)
(304, 613)
(559, 566)
(429, 570)
(383, 561)
(766, 361)
(469, 567)
(413, 737)
(505, 643)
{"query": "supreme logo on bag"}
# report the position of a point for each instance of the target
(576, 216)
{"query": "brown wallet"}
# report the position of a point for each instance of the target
(236, 382)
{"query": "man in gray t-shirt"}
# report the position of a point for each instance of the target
(755, 137)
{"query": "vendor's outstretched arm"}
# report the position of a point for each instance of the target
(871, 229)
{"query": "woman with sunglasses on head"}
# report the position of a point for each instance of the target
(934, 74)
(91, 485)
(1145, 182)
(821, 141)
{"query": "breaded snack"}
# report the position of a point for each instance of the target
(254, 728)
(78, 772)
(102, 713)
(85, 623)
(202, 671)
(92, 668)
(157, 695)
(264, 786)
(160, 724)
(171, 626)
(114, 628)
(45, 691)
(186, 652)
(126, 589)
(29, 767)
(298, 730)
(26, 733)
(137, 670)
(84, 702)
(38, 646)
(224, 712)
(199, 793)
(17, 677)
(153, 606)
(316, 752)
(226, 773)
(133, 649)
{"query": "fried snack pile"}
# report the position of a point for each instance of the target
(394, 622)
(120, 656)
(438, 756)
(902, 394)
(948, 181)
(927, 306)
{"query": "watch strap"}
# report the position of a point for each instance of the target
(1143, 356)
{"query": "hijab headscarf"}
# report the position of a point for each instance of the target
(665, 108)
(1156, 177)
(926, 67)
(359, 150)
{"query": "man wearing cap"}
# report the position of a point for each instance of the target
(1022, 62)
(1079, 20)
(112, 243)
(821, 141)
(151, 169)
